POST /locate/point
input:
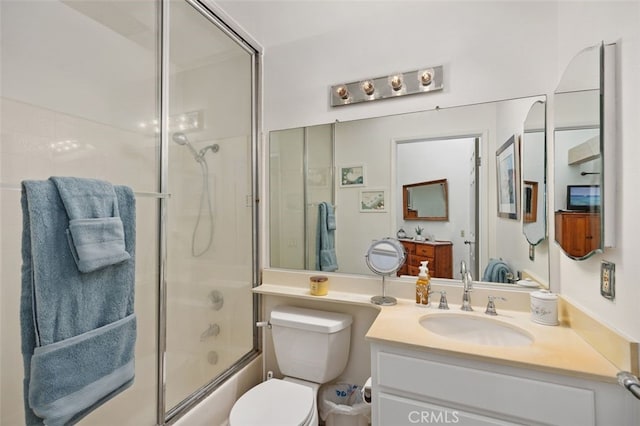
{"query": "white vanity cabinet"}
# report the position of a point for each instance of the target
(413, 387)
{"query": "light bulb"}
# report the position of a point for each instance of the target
(426, 78)
(342, 92)
(368, 87)
(396, 82)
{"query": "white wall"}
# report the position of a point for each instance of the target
(490, 50)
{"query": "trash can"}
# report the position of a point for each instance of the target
(342, 405)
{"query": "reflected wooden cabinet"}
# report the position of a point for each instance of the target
(438, 253)
(578, 233)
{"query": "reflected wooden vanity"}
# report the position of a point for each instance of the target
(438, 253)
(578, 232)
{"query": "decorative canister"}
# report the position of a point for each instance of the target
(544, 307)
(319, 285)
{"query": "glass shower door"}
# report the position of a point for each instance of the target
(209, 268)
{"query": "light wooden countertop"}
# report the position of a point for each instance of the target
(554, 349)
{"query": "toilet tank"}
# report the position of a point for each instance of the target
(310, 344)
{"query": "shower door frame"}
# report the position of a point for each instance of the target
(208, 10)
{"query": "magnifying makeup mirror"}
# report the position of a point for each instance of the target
(385, 257)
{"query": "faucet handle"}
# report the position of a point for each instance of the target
(491, 306)
(443, 301)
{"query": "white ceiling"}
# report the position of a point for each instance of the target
(274, 22)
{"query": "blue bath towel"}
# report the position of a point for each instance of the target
(497, 271)
(78, 329)
(326, 259)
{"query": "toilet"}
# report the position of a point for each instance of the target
(312, 348)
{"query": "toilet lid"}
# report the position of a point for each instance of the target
(274, 402)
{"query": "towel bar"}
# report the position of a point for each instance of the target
(136, 193)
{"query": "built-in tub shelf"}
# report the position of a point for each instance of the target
(304, 293)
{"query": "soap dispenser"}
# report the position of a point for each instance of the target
(423, 285)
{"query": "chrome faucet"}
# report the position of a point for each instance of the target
(466, 287)
(491, 306)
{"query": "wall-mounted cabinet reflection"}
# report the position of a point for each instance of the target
(583, 153)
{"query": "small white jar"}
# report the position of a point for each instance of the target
(544, 307)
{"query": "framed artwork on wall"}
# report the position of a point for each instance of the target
(507, 179)
(353, 175)
(373, 201)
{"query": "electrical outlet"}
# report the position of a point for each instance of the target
(608, 280)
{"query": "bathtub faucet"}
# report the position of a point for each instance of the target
(213, 330)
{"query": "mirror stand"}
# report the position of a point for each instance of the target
(384, 300)
(385, 257)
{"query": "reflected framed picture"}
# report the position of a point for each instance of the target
(351, 176)
(507, 179)
(373, 201)
(530, 201)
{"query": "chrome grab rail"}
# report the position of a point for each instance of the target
(630, 382)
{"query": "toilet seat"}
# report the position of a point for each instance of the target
(274, 403)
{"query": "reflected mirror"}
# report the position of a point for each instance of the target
(534, 176)
(426, 201)
(456, 144)
(579, 155)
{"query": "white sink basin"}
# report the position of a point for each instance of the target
(477, 330)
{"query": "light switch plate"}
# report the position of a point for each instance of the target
(608, 280)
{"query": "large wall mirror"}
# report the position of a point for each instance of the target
(580, 153)
(455, 145)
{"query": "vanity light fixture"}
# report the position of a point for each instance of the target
(427, 79)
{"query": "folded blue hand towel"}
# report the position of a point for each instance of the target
(78, 329)
(95, 233)
(331, 217)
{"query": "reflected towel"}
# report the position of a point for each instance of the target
(78, 329)
(326, 259)
(497, 271)
(95, 233)
(331, 217)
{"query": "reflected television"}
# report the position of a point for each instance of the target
(583, 197)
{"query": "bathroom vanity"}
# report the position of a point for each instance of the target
(415, 386)
(554, 378)
(447, 373)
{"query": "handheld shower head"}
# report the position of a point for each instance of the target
(181, 139)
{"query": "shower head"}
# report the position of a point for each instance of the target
(181, 139)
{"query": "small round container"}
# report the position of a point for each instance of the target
(544, 307)
(319, 285)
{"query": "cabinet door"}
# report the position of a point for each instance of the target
(582, 233)
(399, 411)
